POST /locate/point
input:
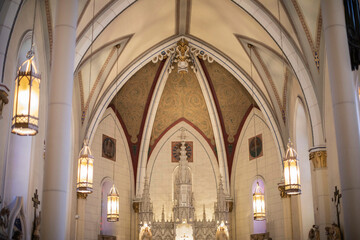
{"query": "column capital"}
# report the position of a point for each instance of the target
(318, 156)
(4, 93)
(136, 206)
(81, 195)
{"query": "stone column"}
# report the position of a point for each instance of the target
(80, 212)
(58, 155)
(136, 205)
(322, 202)
(286, 203)
(345, 113)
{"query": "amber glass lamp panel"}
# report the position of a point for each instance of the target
(259, 204)
(26, 100)
(113, 205)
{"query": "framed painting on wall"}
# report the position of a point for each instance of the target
(109, 147)
(255, 147)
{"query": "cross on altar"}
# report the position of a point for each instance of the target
(35, 200)
(36, 222)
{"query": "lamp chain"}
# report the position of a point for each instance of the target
(91, 56)
(255, 140)
(281, 42)
(31, 53)
(283, 70)
(117, 72)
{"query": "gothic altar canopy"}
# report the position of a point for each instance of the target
(183, 224)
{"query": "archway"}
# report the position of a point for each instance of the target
(222, 60)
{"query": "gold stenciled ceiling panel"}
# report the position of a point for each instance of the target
(234, 100)
(130, 101)
(182, 98)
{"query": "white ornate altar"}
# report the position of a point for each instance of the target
(183, 225)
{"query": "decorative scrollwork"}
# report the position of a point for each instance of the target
(164, 54)
(201, 54)
(183, 55)
(318, 158)
(314, 233)
(4, 222)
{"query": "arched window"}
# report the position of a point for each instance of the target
(258, 184)
(106, 228)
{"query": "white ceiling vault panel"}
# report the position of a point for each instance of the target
(95, 26)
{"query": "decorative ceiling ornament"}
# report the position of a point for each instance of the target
(183, 55)
(163, 55)
(201, 54)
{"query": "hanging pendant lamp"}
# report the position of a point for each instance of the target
(113, 211)
(258, 196)
(259, 204)
(25, 121)
(85, 170)
(291, 171)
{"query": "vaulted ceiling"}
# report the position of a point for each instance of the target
(112, 35)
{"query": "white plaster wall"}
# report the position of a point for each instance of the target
(204, 170)
(243, 175)
(123, 181)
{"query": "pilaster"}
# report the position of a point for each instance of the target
(318, 157)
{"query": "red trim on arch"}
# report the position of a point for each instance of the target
(229, 155)
(134, 148)
(236, 137)
(152, 147)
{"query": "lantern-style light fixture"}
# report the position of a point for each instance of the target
(25, 119)
(259, 203)
(291, 171)
(113, 211)
(85, 170)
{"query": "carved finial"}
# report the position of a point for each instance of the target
(35, 199)
(290, 144)
(220, 183)
(204, 213)
(183, 135)
(163, 214)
